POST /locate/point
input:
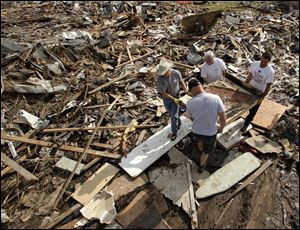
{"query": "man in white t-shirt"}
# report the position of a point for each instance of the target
(213, 69)
(261, 76)
(204, 109)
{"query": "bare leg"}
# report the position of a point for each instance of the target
(203, 158)
(200, 147)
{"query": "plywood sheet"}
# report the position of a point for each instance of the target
(142, 156)
(142, 213)
(95, 183)
(228, 175)
(268, 114)
(264, 145)
(125, 184)
(232, 134)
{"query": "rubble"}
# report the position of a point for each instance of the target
(78, 96)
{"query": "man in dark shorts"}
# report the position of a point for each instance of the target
(204, 109)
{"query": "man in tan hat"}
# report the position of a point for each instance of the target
(168, 85)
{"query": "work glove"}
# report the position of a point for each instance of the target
(177, 101)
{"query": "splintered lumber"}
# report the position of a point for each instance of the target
(9, 169)
(67, 182)
(109, 83)
(142, 156)
(53, 145)
(119, 127)
(191, 196)
(135, 59)
(24, 172)
(249, 179)
(95, 183)
(227, 176)
(62, 216)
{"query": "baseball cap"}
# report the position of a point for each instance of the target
(192, 83)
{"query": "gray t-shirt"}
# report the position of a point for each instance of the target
(170, 84)
(203, 109)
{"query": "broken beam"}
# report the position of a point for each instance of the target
(135, 59)
(109, 83)
(24, 172)
(99, 128)
(53, 145)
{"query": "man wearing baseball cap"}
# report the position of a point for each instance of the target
(204, 109)
(168, 85)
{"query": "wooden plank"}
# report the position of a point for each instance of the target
(53, 145)
(125, 184)
(18, 168)
(263, 144)
(135, 59)
(272, 109)
(102, 145)
(232, 134)
(118, 127)
(141, 137)
(109, 83)
(62, 216)
(68, 181)
(140, 213)
(227, 176)
(191, 196)
(142, 156)
(249, 180)
(95, 183)
(8, 169)
(70, 225)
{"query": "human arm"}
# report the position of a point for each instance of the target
(222, 120)
(183, 85)
(268, 87)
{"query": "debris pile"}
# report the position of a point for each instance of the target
(84, 131)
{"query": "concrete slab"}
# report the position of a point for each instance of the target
(142, 156)
(69, 165)
(228, 175)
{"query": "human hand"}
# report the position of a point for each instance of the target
(177, 101)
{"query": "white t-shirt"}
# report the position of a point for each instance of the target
(203, 109)
(261, 76)
(213, 72)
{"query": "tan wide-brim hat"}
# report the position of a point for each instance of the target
(163, 67)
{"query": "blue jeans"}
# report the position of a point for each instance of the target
(173, 111)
